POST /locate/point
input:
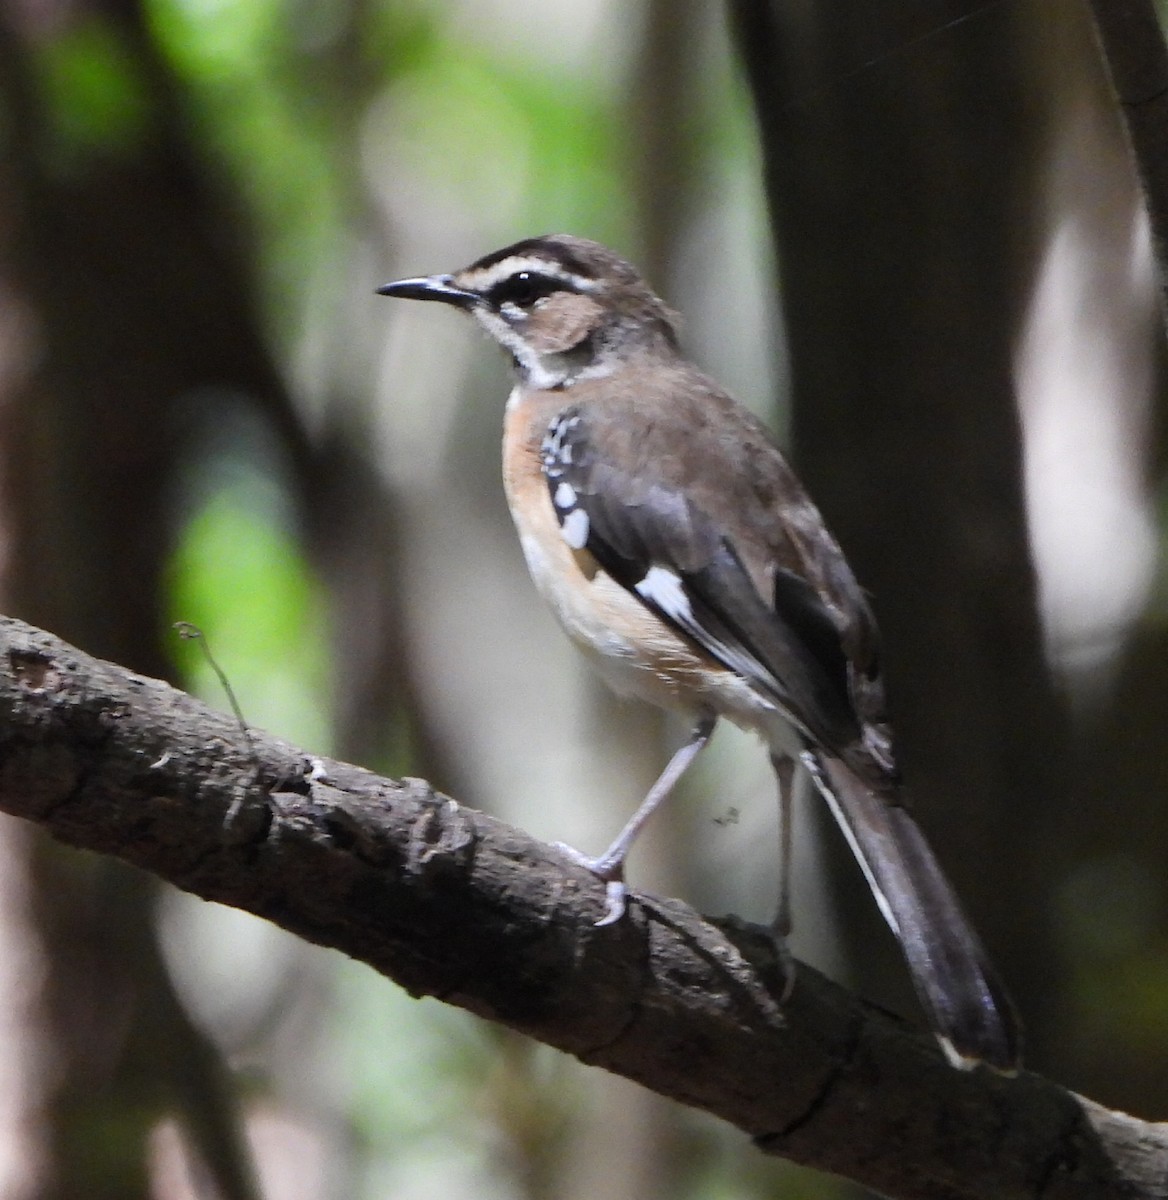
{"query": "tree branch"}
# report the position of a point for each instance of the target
(451, 903)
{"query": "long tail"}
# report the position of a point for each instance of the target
(967, 1006)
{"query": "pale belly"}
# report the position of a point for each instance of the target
(633, 650)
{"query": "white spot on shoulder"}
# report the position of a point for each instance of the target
(664, 589)
(575, 529)
(565, 495)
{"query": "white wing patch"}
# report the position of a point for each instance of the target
(663, 588)
(575, 529)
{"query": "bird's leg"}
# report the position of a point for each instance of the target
(610, 866)
(785, 776)
(784, 767)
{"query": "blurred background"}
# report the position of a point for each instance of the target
(915, 243)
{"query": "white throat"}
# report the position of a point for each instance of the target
(543, 372)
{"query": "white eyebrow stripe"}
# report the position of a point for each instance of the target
(485, 278)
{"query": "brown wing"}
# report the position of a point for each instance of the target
(651, 532)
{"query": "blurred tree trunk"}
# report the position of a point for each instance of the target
(901, 155)
(124, 304)
(1119, 833)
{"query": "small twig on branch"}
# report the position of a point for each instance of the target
(192, 633)
(189, 631)
(449, 902)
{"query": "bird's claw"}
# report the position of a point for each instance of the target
(615, 902)
(610, 874)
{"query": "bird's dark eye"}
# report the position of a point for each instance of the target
(523, 289)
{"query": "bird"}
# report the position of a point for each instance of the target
(679, 550)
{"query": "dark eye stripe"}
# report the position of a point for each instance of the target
(524, 288)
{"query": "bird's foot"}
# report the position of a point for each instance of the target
(610, 872)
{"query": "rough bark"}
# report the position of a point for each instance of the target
(450, 903)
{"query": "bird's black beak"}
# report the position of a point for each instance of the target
(431, 287)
